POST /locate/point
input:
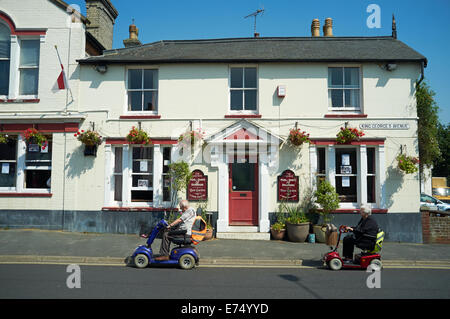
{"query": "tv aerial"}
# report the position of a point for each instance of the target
(255, 14)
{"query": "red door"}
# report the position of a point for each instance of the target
(243, 193)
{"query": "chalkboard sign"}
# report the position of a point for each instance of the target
(198, 186)
(288, 186)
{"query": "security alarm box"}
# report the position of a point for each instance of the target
(281, 91)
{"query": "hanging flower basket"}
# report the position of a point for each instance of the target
(192, 137)
(32, 136)
(138, 136)
(90, 139)
(348, 134)
(298, 137)
(408, 164)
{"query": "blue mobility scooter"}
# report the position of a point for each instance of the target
(184, 255)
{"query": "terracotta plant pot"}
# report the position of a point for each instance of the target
(278, 234)
(297, 232)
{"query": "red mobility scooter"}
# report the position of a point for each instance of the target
(361, 261)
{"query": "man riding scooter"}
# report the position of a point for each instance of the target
(363, 235)
(180, 227)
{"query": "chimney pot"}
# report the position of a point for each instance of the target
(315, 28)
(328, 27)
(133, 40)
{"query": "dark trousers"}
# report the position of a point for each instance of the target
(164, 250)
(350, 241)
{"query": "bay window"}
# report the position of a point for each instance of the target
(353, 171)
(138, 175)
(25, 168)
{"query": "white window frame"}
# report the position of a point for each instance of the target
(141, 112)
(127, 160)
(362, 173)
(21, 167)
(12, 188)
(20, 68)
(243, 111)
(346, 109)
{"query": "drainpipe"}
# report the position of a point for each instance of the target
(422, 73)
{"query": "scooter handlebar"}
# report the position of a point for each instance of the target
(343, 229)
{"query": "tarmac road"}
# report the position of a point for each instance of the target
(50, 281)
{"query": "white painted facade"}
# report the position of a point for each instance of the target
(195, 96)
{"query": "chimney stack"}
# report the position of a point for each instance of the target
(133, 40)
(328, 28)
(315, 28)
(102, 16)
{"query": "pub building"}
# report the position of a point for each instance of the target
(241, 97)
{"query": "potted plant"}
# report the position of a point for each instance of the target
(33, 136)
(297, 137)
(348, 134)
(138, 136)
(328, 200)
(91, 140)
(407, 164)
(278, 229)
(297, 223)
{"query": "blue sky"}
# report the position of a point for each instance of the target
(423, 25)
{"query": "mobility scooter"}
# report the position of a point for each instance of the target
(334, 261)
(184, 255)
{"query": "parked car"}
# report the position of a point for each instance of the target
(430, 201)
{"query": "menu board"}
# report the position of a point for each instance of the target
(198, 186)
(288, 186)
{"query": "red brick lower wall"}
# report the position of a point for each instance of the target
(435, 227)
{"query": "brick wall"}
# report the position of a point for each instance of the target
(435, 227)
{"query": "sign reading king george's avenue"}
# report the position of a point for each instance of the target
(384, 126)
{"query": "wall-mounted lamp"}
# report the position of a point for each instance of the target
(101, 68)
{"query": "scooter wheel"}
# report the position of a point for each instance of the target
(186, 261)
(335, 264)
(376, 264)
(141, 261)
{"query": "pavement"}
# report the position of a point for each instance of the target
(31, 246)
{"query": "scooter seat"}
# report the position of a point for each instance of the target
(181, 240)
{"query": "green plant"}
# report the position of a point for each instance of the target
(348, 134)
(89, 138)
(295, 213)
(32, 135)
(297, 137)
(138, 136)
(280, 222)
(3, 138)
(407, 163)
(278, 226)
(327, 198)
(179, 175)
(427, 126)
